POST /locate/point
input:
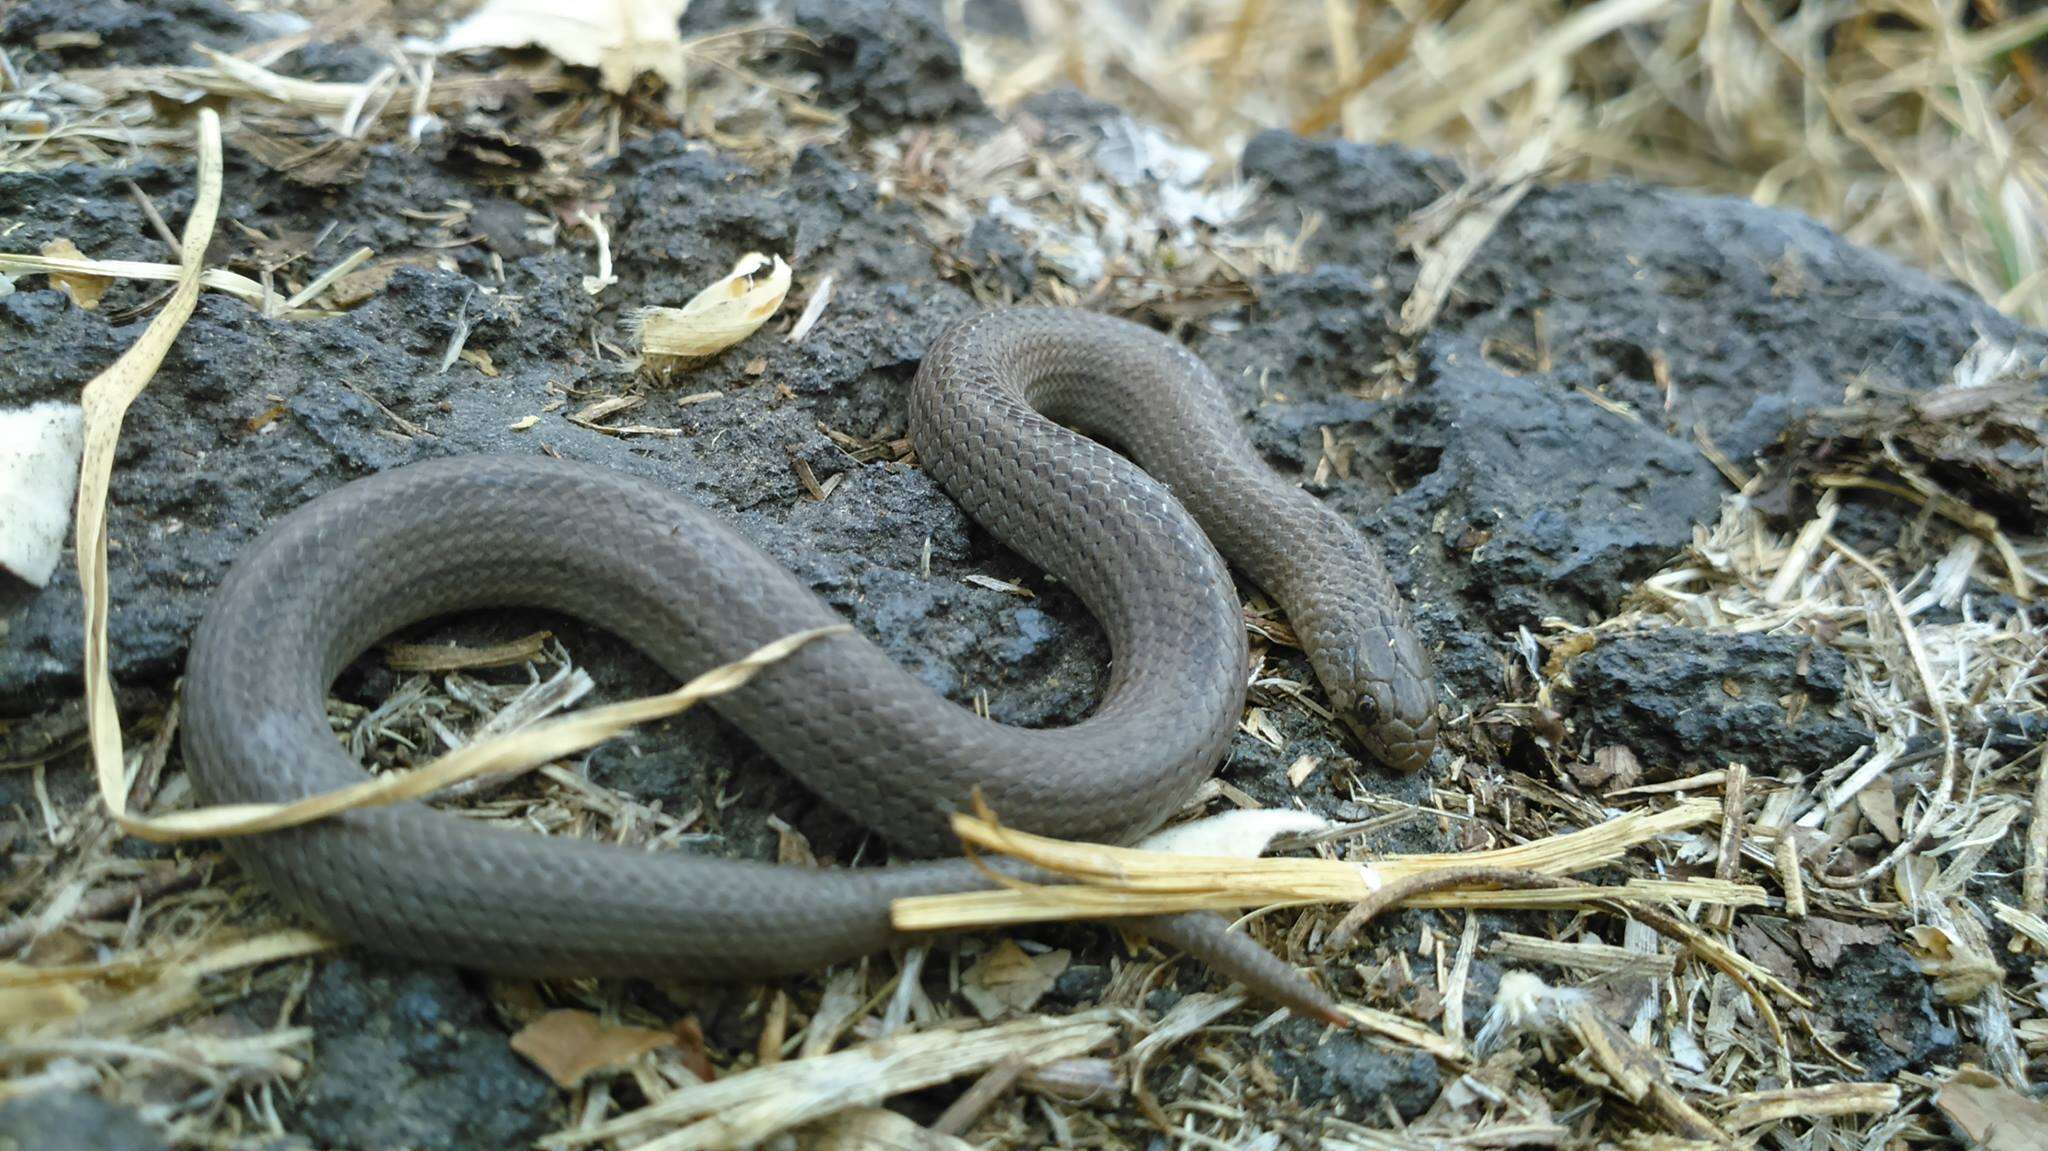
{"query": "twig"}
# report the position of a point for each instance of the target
(1402, 890)
(1729, 864)
(324, 280)
(977, 1098)
(2034, 886)
(1790, 876)
(149, 212)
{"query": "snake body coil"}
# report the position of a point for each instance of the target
(987, 411)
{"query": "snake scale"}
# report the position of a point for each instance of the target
(1010, 412)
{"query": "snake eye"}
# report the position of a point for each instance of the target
(1368, 710)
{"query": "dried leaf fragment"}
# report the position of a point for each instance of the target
(721, 315)
(84, 288)
(619, 38)
(1960, 972)
(993, 584)
(1007, 979)
(570, 1045)
(1992, 1115)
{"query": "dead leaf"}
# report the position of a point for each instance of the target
(1881, 808)
(1007, 979)
(480, 360)
(721, 315)
(1992, 1116)
(1614, 766)
(84, 288)
(1761, 947)
(1826, 939)
(1244, 833)
(570, 1045)
(792, 847)
(1960, 972)
(1566, 649)
(993, 584)
(690, 1045)
(619, 38)
(367, 281)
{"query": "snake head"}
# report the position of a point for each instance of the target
(1385, 696)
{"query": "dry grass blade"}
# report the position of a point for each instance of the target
(234, 76)
(2034, 882)
(1122, 881)
(58, 267)
(514, 751)
(744, 1109)
(1561, 42)
(1404, 1031)
(106, 401)
(220, 280)
(1441, 258)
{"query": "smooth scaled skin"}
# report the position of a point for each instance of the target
(987, 410)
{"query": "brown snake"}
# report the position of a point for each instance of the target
(990, 418)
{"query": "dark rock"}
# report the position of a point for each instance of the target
(341, 62)
(73, 1121)
(1882, 1008)
(1064, 115)
(410, 1057)
(1080, 984)
(997, 18)
(110, 32)
(1352, 1072)
(703, 17)
(1681, 699)
(1562, 504)
(1755, 315)
(993, 250)
(889, 62)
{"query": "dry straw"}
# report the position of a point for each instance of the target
(721, 315)
(1122, 881)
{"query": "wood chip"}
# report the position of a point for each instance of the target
(450, 657)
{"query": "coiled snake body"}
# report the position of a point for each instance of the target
(987, 416)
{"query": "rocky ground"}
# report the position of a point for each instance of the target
(1612, 363)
